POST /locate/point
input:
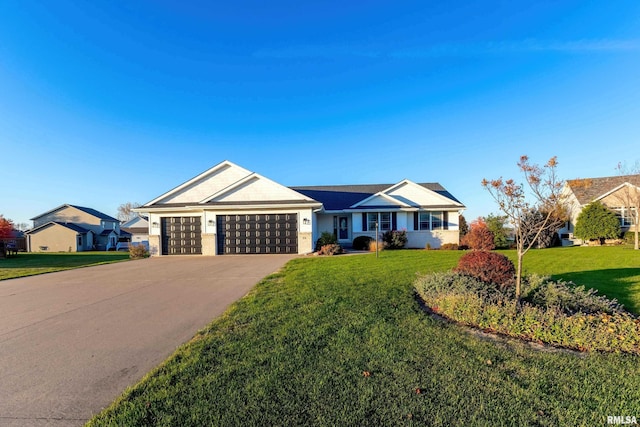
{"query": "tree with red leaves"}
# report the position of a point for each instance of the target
(6, 228)
(479, 237)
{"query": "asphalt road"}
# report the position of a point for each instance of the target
(71, 342)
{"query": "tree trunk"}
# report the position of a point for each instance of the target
(635, 245)
(519, 277)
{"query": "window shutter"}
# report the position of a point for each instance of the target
(445, 220)
(394, 220)
(364, 221)
(416, 217)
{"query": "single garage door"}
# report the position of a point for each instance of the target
(257, 234)
(181, 235)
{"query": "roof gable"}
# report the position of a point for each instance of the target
(204, 185)
(587, 190)
(256, 188)
(227, 184)
(402, 194)
(138, 221)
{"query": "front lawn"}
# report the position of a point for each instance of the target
(343, 341)
(613, 270)
(29, 264)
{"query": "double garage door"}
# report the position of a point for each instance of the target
(236, 234)
(257, 234)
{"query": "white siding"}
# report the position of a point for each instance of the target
(207, 185)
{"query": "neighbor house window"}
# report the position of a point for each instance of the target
(625, 215)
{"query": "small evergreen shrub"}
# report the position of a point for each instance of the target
(449, 247)
(330, 249)
(489, 267)
(326, 238)
(395, 239)
(361, 243)
(138, 251)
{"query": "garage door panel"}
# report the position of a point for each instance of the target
(181, 236)
(257, 233)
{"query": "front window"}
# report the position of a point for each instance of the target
(385, 221)
(424, 221)
(436, 220)
(372, 218)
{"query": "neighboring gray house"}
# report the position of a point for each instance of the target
(70, 228)
(612, 191)
(230, 210)
(138, 227)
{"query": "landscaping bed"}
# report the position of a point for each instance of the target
(551, 312)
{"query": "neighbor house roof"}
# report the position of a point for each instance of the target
(587, 190)
(90, 211)
(69, 225)
(340, 197)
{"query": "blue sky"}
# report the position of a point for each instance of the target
(108, 102)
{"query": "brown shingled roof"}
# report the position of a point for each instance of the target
(588, 189)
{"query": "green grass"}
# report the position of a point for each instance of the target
(613, 270)
(294, 352)
(29, 264)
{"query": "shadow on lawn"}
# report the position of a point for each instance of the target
(620, 283)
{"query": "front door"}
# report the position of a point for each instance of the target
(343, 228)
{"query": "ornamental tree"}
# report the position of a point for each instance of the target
(597, 222)
(6, 227)
(544, 195)
(479, 237)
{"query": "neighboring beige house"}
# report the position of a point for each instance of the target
(614, 192)
(70, 228)
(230, 210)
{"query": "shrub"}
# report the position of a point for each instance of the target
(326, 238)
(395, 239)
(361, 243)
(330, 249)
(489, 267)
(138, 251)
(597, 222)
(567, 297)
(373, 245)
(629, 237)
(449, 247)
(479, 237)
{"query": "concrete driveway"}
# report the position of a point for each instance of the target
(71, 342)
